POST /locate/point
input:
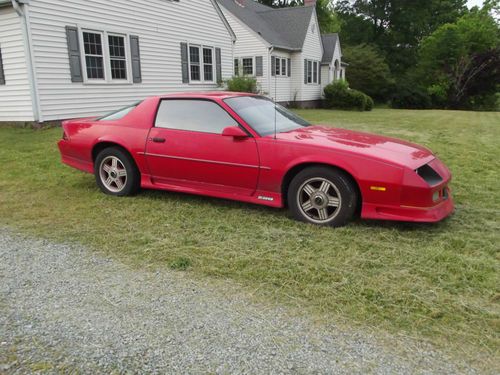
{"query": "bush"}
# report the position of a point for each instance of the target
(408, 97)
(339, 95)
(242, 84)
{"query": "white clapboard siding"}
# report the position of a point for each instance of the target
(161, 26)
(281, 87)
(249, 44)
(312, 50)
(15, 95)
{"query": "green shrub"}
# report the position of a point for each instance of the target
(339, 95)
(242, 84)
(409, 97)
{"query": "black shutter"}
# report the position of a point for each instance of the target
(2, 74)
(75, 64)
(259, 69)
(136, 59)
(319, 73)
(184, 63)
(289, 62)
(218, 64)
(305, 72)
(273, 66)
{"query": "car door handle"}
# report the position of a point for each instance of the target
(157, 140)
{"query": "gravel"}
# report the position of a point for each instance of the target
(65, 308)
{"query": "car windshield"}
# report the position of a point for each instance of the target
(117, 115)
(264, 116)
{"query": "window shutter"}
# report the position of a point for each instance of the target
(319, 73)
(289, 62)
(218, 63)
(305, 71)
(75, 64)
(259, 69)
(184, 63)
(136, 59)
(2, 74)
(273, 66)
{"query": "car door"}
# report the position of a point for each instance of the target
(185, 147)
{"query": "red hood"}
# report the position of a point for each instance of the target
(365, 144)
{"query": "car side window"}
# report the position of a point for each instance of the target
(193, 115)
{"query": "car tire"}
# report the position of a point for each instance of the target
(322, 196)
(116, 172)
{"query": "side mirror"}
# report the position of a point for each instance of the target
(235, 132)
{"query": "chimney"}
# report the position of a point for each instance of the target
(309, 3)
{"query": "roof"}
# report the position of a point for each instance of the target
(284, 28)
(329, 45)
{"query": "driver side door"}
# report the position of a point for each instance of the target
(186, 148)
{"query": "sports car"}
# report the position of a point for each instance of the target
(245, 147)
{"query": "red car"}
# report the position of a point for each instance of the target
(244, 147)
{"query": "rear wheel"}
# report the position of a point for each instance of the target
(116, 173)
(323, 196)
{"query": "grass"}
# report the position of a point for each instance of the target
(435, 282)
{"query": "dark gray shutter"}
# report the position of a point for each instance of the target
(218, 64)
(305, 72)
(259, 69)
(75, 64)
(2, 74)
(136, 59)
(319, 73)
(273, 66)
(289, 62)
(184, 63)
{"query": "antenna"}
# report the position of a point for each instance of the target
(275, 94)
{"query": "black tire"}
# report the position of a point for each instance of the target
(306, 196)
(129, 184)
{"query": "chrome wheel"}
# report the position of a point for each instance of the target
(113, 174)
(319, 200)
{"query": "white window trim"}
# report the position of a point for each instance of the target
(282, 60)
(106, 57)
(253, 66)
(202, 80)
(318, 72)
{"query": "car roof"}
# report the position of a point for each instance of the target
(206, 94)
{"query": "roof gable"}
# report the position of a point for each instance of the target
(329, 45)
(282, 28)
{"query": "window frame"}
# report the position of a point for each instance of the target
(107, 80)
(201, 48)
(282, 62)
(252, 58)
(127, 60)
(314, 77)
(194, 131)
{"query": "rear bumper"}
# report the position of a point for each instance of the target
(68, 159)
(407, 213)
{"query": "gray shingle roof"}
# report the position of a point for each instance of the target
(329, 44)
(282, 28)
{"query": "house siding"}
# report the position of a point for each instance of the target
(312, 50)
(160, 25)
(15, 95)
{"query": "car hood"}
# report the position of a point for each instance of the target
(387, 149)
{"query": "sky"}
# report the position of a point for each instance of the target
(471, 3)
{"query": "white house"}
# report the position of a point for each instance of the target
(284, 50)
(70, 58)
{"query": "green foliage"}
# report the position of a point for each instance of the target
(410, 97)
(461, 61)
(339, 95)
(368, 71)
(242, 84)
(180, 263)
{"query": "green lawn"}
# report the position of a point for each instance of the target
(436, 282)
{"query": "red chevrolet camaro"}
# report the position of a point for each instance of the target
(244, 147)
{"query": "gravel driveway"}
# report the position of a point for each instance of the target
(65, 308)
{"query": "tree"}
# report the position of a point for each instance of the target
(460, 62)
(368, 71)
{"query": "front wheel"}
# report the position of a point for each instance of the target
(116, 173)
(323, 196)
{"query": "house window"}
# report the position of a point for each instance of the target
(312, 68)
(194, 63)
(208, 64)
(277, 67)
(94, 58)
(309, 71)
(247, 64)
(315, 72)
(283, 67)
(117, 57)
(236, 67)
